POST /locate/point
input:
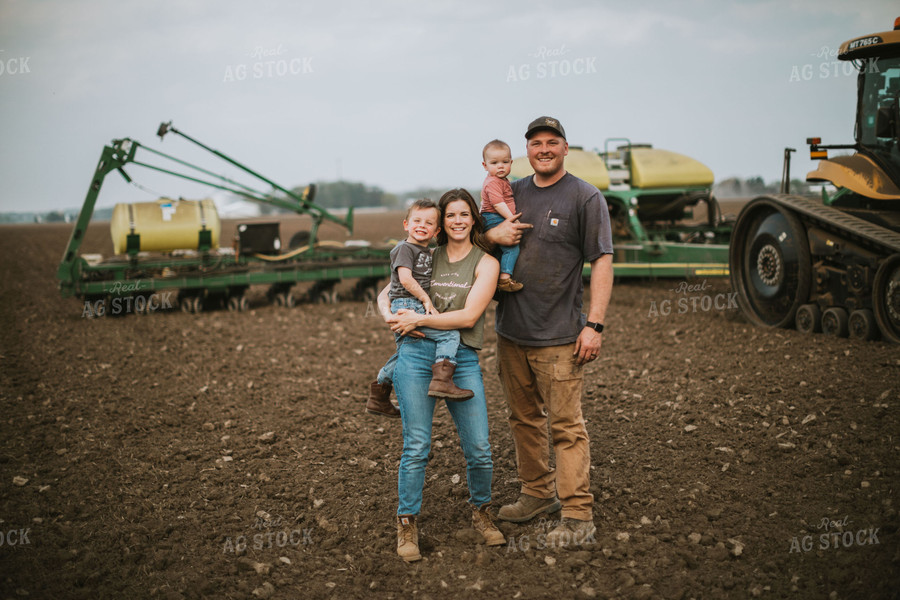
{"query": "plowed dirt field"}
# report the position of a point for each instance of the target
(227, 455)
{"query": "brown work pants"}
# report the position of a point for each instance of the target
(543, 383)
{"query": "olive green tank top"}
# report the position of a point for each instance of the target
(450, 285)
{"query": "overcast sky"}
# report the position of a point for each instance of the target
(401, 94)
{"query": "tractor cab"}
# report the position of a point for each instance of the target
(878, 119)
(873, 172)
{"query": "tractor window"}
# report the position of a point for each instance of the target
(880, 89)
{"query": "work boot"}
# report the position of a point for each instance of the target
(527, 507)
(379, 402)
(484, 524)
(571, 532)
(408, 538)
(442, 385)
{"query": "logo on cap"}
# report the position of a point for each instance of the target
(545, 123)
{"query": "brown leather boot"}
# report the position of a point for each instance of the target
(484, 524)
(509, 285)
(408, 538)
(572, 532)
(442, 385)
(379, 402)
(527, 507)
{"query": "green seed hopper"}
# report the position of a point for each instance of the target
(171, 247)
(652, 195)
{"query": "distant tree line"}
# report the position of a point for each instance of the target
(735, 187)
(344, 194)
(53, 216)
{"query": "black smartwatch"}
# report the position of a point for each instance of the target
(598, 327)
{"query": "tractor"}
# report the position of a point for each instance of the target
(833, 265)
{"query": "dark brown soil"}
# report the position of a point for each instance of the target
(227, 455)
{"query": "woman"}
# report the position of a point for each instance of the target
(463, 282)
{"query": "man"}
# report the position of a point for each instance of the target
(544, 340)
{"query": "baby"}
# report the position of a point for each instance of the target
(497, 205)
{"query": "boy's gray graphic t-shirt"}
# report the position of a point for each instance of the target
(415, 258)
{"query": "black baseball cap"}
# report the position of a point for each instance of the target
(548, 123)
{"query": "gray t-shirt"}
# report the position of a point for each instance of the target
(415, 258)
(571, 227)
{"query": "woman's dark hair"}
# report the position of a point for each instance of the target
(476, 235)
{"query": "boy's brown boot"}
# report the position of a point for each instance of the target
(379, 402)
(408, 538)
(442, 385)
(484, 524)
(509, 285)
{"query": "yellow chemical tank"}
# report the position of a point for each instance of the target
(164, 225)
(654, 168)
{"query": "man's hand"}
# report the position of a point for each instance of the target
(429, 308)
(509, 232)
(587, 346)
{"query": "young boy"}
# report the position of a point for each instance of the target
(410, 281)
(497, 205)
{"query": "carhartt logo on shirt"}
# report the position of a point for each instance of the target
(554, 222)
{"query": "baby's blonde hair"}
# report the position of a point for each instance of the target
(493, 144)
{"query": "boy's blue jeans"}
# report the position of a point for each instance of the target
(447, 341)
(508, 254)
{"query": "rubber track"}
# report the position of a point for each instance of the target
(846, 224)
